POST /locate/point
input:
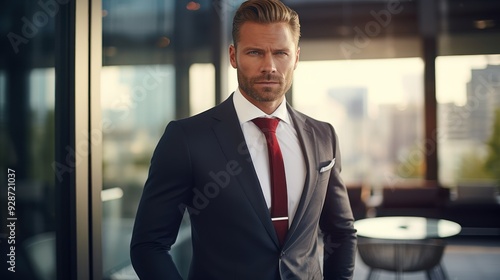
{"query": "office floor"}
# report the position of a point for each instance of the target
(464, 259)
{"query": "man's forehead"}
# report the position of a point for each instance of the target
(265, 27)
(265, 33)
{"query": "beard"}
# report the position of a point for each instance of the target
(264, 94)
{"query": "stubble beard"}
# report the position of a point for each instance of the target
(266, 94)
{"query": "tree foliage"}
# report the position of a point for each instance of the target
(492, 164)
(471, 167)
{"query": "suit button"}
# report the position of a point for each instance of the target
(282, 254)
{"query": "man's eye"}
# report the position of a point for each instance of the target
(253, 52)
(281, 53)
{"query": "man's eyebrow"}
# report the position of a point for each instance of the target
(282, 49)
(252, 48)
(262, 49)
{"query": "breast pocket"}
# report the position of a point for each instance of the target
(325, 169)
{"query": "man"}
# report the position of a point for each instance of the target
(233, 174)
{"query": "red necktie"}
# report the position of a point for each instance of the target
(279, 200)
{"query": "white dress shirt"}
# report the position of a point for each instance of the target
(295, 167)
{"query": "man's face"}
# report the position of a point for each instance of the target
(265, 58)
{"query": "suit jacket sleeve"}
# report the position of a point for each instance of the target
(337, 225)
(165, 195)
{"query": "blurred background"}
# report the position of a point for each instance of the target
(87, 88)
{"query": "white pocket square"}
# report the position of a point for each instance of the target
(328, 167)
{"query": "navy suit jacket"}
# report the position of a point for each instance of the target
(202, 164)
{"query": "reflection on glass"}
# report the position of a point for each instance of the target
(3, 96)
(155, 55)
(376, 107)
(468, 94)
(27, 144)
(137, 103)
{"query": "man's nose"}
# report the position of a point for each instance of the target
(268, 64)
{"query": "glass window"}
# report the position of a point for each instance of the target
(136, 108)
(156, 67)
(468, 95)
(3, 98)
(27, 142)
(201, 87)
(376, 107)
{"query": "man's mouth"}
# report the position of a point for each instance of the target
(268, 82)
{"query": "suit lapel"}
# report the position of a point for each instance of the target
(232, 142)
(228, 132)
(306, 138)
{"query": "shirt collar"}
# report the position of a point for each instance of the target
(246, 111)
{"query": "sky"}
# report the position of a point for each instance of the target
(453, 73)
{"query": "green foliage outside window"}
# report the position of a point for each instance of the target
(492, 164)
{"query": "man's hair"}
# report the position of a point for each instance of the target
(265, 11)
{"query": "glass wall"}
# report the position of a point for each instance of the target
(135, 108)
(27, 141)
(376, 107)
(157, 66)
(468, 105)
(468, 94)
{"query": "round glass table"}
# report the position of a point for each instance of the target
(404, 244)
(406, 228)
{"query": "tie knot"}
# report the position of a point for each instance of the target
(266, 124)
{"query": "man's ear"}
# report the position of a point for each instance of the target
(232, 56)
(297, 58)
